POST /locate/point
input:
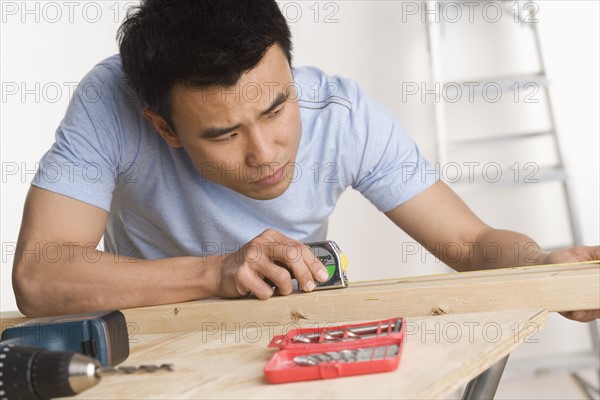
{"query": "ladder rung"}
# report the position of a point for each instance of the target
(475, 87)
(508, 178)
(499, 138)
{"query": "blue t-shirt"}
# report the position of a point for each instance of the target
(108, 155)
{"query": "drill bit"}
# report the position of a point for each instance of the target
(35, 373)
(103, 371)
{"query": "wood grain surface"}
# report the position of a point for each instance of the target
(554, 288)
(441, 353)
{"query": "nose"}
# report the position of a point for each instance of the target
(261, 149)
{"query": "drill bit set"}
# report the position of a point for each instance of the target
(331, 352)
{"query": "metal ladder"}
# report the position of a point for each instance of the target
(485, 385)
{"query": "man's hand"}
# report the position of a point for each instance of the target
(576, 254)
(273, 256)
(437, 216)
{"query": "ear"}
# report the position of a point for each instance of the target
(162, 127)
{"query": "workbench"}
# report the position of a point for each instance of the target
(441, 354)
(458, 325)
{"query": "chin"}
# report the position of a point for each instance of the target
(267, 193)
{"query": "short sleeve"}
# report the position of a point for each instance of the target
(85, 159)
(391, 168)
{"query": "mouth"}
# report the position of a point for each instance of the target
(273, 179)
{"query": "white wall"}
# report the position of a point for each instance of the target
(47, 46)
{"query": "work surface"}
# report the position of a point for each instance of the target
(441, 353)
(458, 325)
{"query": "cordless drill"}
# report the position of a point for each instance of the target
(63, 356)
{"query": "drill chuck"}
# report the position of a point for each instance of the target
(35, 373)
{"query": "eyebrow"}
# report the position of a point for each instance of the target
(215, 132)
(280, 99)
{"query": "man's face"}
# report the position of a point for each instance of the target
(244, 137)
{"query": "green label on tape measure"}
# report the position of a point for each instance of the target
(330, 269)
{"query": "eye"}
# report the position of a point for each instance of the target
(227, 138)
(276, 113)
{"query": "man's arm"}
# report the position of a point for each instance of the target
(57, 269)
(438, 217)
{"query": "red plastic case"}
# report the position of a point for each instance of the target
(282, 368)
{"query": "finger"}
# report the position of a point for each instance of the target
(575, 254)
(567, 315)
(242, 291)
(258, 266)
(245, 287)
(279, 276)
(585, 315)
(292, 257)
(582, 253)
(296, 256)
(250, 281)
(582, 315)
(260, 289)
(304, 265)
(317, 269)
(594, 253)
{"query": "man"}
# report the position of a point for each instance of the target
(194, 153)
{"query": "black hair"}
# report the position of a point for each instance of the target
(197, 43)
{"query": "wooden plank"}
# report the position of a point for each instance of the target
(554, 288)
(441, 354)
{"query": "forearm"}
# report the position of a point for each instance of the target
(497, 248)
(83, 279)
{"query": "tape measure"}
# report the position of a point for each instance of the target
(334, 261)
